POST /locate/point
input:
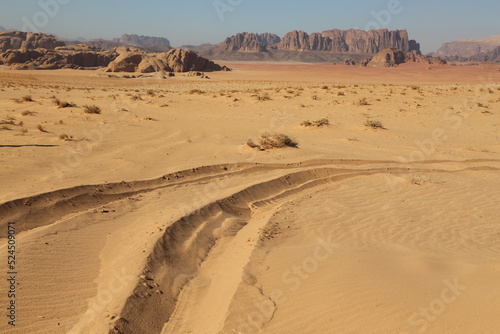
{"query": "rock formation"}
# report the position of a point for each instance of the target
(330, 45)
(136, 40)
(15, 40)
(468, 48)
(249, 42)
(76, 57)
(176, 60)
(394, 57)
(387, 58)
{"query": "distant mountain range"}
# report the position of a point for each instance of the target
(328, 46)
(483, 49)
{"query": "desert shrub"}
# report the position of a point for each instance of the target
(28, 113)
(375, 124)
(264, 97)
(64, 104)
(275, 140)
(27, 98)
(65, 137)
(362, 102)
(196, 91)
(318, 123)
(91, 109)
(41, 128)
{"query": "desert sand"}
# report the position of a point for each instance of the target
(154, 216)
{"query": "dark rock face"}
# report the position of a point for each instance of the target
(349, 41)
(136, 40)
(249, 42)
(176, 60)
(15, 40)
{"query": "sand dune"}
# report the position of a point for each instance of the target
(157, 218)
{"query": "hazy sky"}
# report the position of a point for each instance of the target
(430, 22)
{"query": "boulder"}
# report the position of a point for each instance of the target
(387, 58)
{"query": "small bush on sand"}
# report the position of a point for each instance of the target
(64, 104)
(93, 109)
(28, 113)
(362, 102)
(196, 91)
(375, 124)
(27, 98)
(65, 137)
(41, 128)
(318, 123)
(275, 140)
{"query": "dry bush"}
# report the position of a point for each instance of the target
(41, 128)
(375, 124)
(196, 91)
(317, 123)
(64, 104)
(269, 141)
(28, 113)
(65, 137)
(93, 109)
(264, 97)
(27, 98)
(362, 102)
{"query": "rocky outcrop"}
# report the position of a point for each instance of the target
(248, 42)
(176, 60)
(387, 58)
(349, 41)
(76, 57)
(136, 40)
(468, 48)
(418, 58)
(394, 57)
(15, 40)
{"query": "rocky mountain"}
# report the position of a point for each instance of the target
(393, 57)
(136, 40)
(338, 45)
(483, 48)
(75, 56)
(176, 60)
(248, 42)
(2, 28)
(15, 40)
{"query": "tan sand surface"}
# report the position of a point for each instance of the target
(154, 216)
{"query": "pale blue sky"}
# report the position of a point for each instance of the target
(430, 22)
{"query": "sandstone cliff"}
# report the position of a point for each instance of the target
(136, 40)
(349, 41)
(76, 57)
(394, 57)
(15, 40)
(176, 60)
(468, 48)
(248, 42)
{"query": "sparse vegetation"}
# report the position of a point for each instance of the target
(317, 123)
(269, 141)
(375, 124)
(196, 91)
(28, 113)
(362, 102)
(65, 137)
(91, 109)
(27, 98)
(41, 128)
(264, 97)
(64, 104)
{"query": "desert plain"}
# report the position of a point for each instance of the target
(151, 214)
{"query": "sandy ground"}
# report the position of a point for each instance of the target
(154, 216)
